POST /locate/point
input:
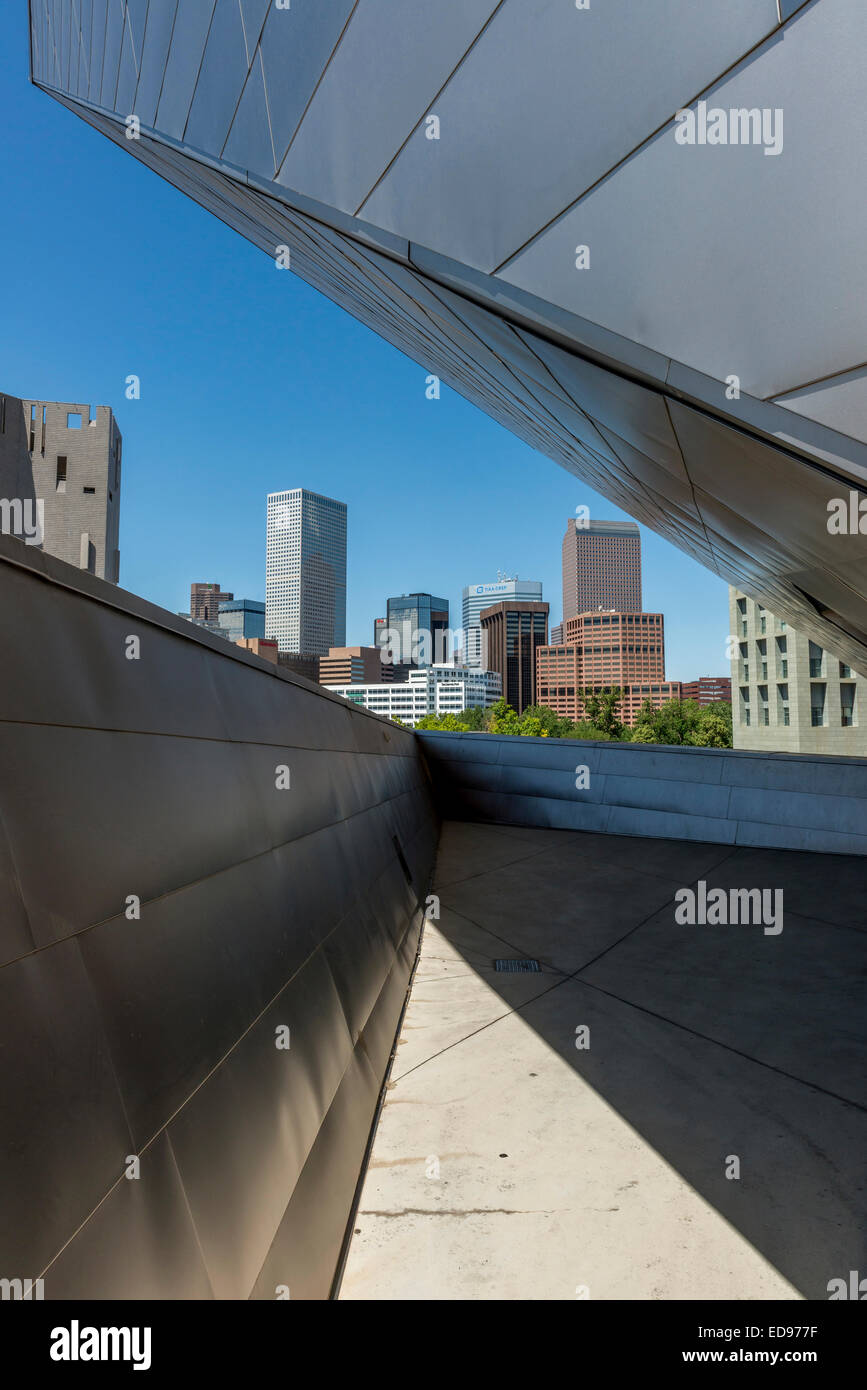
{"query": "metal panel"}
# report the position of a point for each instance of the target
(645, 284)
(840, 402)
(258, 909)
(354, 126)
(295, 47)
(249, 144)
(115, 26)
(127, 79)
(140, 1242)
(189, 36)
(155, 52)
(526, 100)
(283, 1095)
(65, 1138)
(224, 71)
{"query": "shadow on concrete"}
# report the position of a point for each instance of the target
(710, 1041)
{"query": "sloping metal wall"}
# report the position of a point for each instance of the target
(144, 1039)
(723, 796)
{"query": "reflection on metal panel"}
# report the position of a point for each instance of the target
(199, 964)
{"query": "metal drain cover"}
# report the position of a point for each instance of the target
(516, 964)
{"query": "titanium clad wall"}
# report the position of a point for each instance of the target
(260, 909)
(773, 801)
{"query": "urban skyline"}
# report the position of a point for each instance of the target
(283, 981)
(259, 413)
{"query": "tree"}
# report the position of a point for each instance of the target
(451, 723)
(503, 719)
(601, 709)
(715, 726)
(684, 722)
(474, 718)
(551, 725)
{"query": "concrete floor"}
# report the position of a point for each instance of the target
(510, 1165)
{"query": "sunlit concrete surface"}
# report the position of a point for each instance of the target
(508, 1164)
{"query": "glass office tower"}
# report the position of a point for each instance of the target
(415, 631)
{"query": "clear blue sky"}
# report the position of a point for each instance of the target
(253, 382)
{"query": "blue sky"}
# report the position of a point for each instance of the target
(253, 382)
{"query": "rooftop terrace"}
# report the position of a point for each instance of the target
(508, 1164)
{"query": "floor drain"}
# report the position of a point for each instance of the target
(516, 964)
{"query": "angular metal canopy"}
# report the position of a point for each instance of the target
(671, 306)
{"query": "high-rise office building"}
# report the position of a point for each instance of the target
(242, 617)
(416, 633)
(601, 567)
(305, 572)
(205, 600)
(790, 695)
(475, 597)
(513, 632)
(601, 650)
(63, 461)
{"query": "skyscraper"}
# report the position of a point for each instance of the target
(205, 600)
(305, 572)
(475, 597)
(242, 617)
(515, 631)
(601, 567)
(415, 633)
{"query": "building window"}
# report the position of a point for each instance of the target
(89, 489)
(73, 420)
(847, 706)
(817, 706)
(747, 718)
(60, 479)
(845, 672)
(786, 714)
(816, 655)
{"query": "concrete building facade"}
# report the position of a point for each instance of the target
(438, 689)
(512, 633)
(305, 571)
(789, 695)
(476, 597)
(601, 567)
(61, 460)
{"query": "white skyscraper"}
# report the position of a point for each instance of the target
(475, 597)
(305, 572)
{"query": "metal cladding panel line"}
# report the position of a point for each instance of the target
(208, 921)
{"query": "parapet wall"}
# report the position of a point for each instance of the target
(784, 801)
(212, 878)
